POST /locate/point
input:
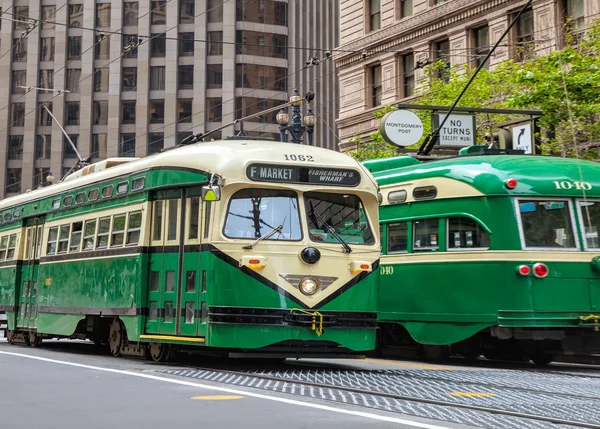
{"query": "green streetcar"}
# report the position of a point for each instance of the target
(495, 255)
(237, 247)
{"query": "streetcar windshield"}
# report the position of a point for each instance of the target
(254, 212)
(343, 213)
(547, 224)
(590, 214)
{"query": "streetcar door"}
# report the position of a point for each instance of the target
(164, 274)
(193, 287)
(28, 300)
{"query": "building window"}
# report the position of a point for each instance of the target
(574, 14)
(214, 43)
(129, 78)
(408, 75)
(103, 15)
(155, 143)
(48, 17)
(21, 17)
(20, 50)
(130, 45)
(128, 112)
(374, 9)
(99, 144)
(73, 78)
(75, 15)
(13, 180)
(442, 53)
(214, 109)
(39, 176)
(186, 44)
(481, 37)
(158, 45)
(72, 113)
(261, 44)
(100, 112)
(17, 114)
(47, 49)
(15, 147)
(45, 120)
(102, 48)
(130, 13)
(186, 11)
(74, 48)
(101, 80)
(67, 148)
(186, 77)
(159, 12)
(405, 8)
(261, 77)
(376, 85)
(157, 111)
(157, 78)
(127, 145)
(524, 36)
(43, 146)
(46, 79)
(214, 10)
(19, 78)
(184, 111)
(214, 75)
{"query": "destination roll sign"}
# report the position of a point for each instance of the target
(303, 175)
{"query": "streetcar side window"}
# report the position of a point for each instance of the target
(3, 247)
(107, 191)
(80, 198)
(93, 195)
(63, 238)
(589, 214)
(194, 218)
(89, 234)
(465, 233)
(122, 188)
(12, 244)
(425, 235)
(134, 228)
(52, 240)
(173, 219)
(138, 183)
(157, 221)
(103, 231)
(546, 224)
(118, 231)
(76, 237)
(68, 201)
(397, 237)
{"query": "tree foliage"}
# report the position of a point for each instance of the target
(564, 84)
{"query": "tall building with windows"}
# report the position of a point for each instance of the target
(129, 78)
(385, 44)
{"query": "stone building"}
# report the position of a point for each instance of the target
(200, 64)
(385, 44)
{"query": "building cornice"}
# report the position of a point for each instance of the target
(416, 27)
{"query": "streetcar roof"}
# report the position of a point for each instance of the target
(226, 158)
(537, 175)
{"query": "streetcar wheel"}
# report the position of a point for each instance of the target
(10, 336)
(542, 359)
(431, 353)
(34, 339)
(115, 337)
(159, 352)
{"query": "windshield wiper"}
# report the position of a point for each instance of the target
(330, 229)
(268, 234)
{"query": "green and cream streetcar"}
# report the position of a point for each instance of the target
(238, 247)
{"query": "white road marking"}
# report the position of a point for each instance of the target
(235, 392)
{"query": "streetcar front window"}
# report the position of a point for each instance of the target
(253, 213)
(589, 212)
(343, 213)
(546, 224)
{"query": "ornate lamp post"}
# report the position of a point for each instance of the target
(296, 128)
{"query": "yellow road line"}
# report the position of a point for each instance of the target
(406, 364)
(172, 338)
(469, 394)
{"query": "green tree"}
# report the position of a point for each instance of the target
(564, 84)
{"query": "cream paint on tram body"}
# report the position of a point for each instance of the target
(489, 256)
(446, 188)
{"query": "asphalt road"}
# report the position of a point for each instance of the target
(68, 385)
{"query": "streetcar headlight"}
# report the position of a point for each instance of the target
(309, 286)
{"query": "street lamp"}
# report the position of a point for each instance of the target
(296, 129)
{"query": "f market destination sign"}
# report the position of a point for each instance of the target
(401, 128)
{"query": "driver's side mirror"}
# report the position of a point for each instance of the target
(211, 193)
